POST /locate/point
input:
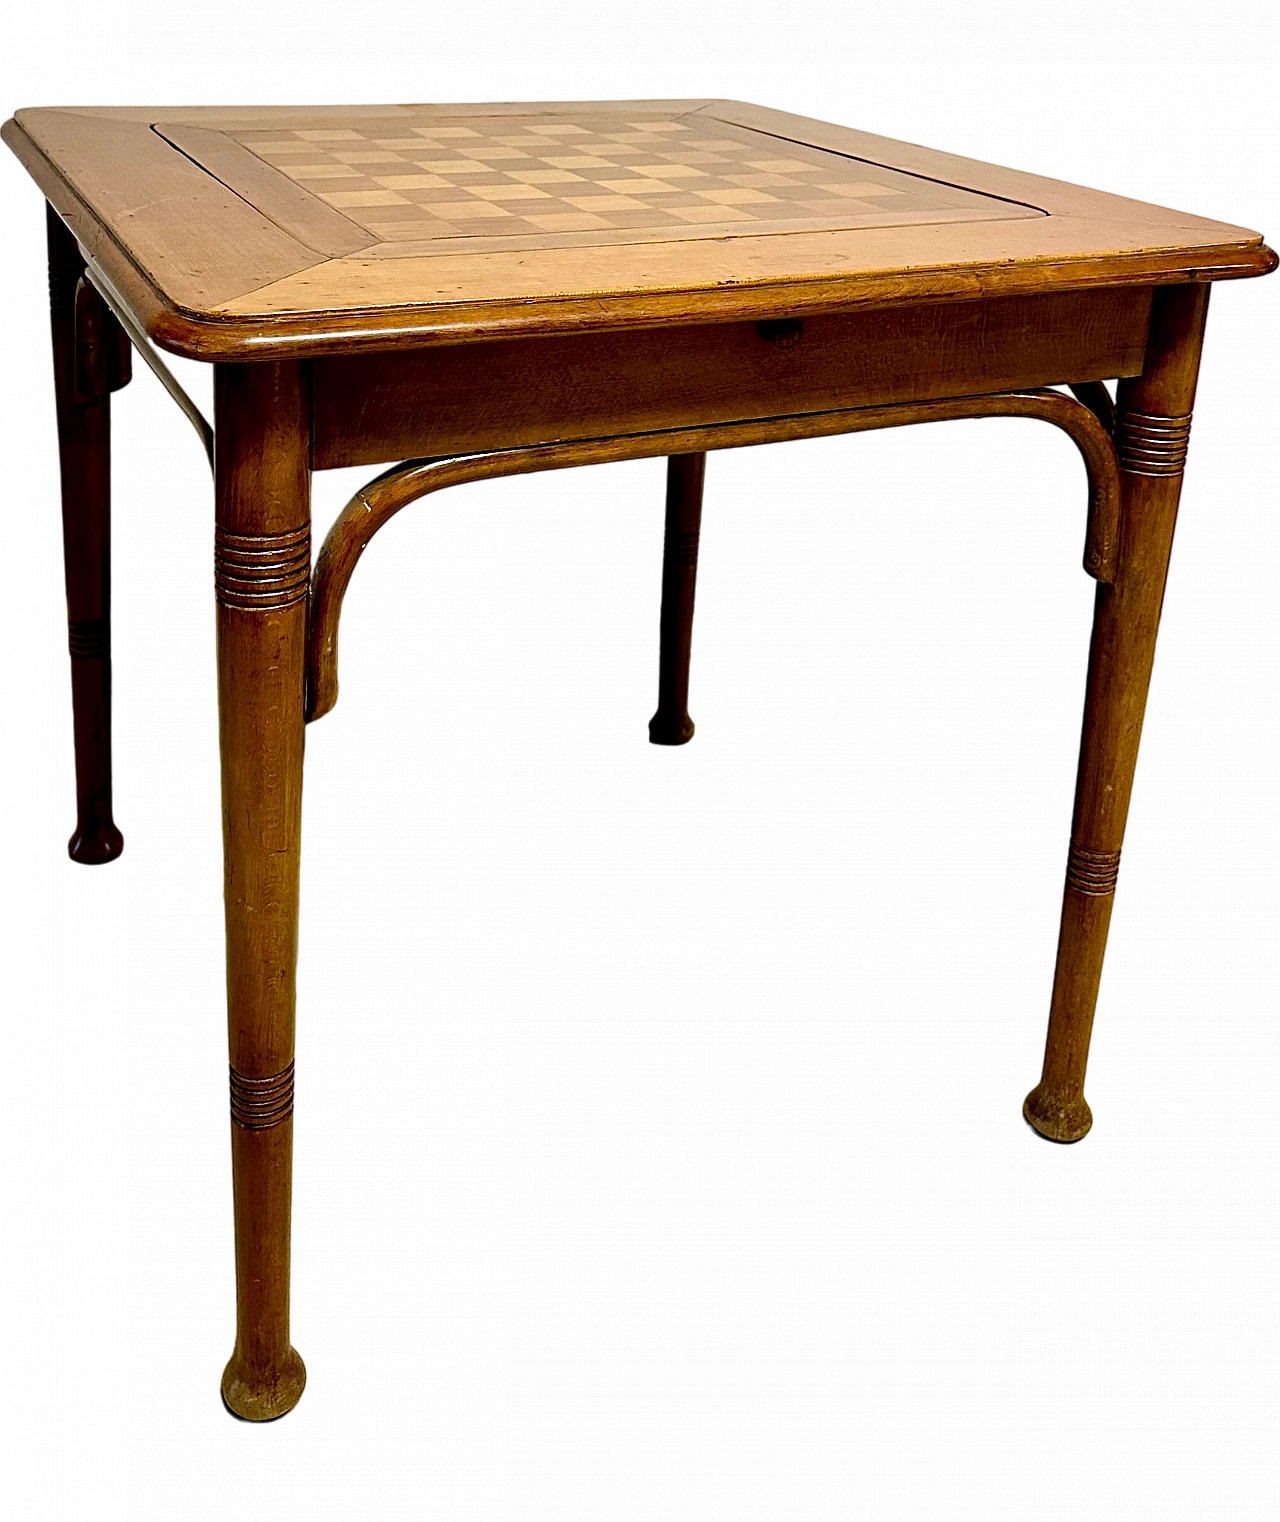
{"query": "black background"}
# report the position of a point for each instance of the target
(585, 1026)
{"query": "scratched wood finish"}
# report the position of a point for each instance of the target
(190, 237)
(88, 364)
(374, 409)
(261, 562)
(1153, 423)
(211, 275)
(305, 217)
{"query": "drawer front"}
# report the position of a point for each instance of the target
(377, 408)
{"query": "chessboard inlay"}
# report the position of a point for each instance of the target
(507, 182)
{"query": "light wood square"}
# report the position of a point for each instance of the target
(452, 166)
(508, 192)
(411, 230)
(565, 221)
(466, 211)
(605, 203)
(858, 188)
(320, 171)
(740, 195)
(638, 187)
(576, 161)
(367, 156)
(545, 176)
(668, 171)
(498, 155)
(710, 214)
(364, 198)
(784, 166)
(696, 157)
(834, 207)
(763, 181)
(411, 181)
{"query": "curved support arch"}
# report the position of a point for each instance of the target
(1098, 400)
(374, 504)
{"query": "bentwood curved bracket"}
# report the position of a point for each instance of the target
(374, 504)
(1098, 400)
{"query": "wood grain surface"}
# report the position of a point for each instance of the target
(294, 231)
(370, 409)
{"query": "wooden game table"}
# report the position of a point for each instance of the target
(485, 290)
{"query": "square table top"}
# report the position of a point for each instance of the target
(241, 232)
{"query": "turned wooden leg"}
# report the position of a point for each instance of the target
(262, 560)
(1153, 421)
(90, 360)
(671, 725)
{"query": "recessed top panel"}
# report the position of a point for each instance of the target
(581, 178)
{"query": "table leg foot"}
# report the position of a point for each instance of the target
(671, 725)
(1057, 1117)
(670, 729)
(256, 1395)
(94, 843)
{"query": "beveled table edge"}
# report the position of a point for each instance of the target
(208, 336)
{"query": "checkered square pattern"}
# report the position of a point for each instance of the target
(543, 180)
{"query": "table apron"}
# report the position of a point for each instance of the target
(373, 409)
